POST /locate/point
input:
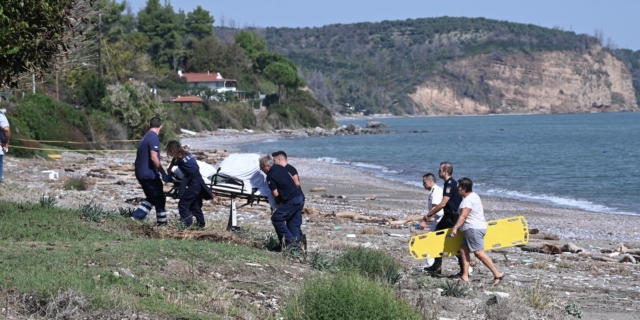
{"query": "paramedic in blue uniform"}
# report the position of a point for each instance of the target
(287, 219)
(148, 169)
(190, 203)
(450, 203)
(280, 157)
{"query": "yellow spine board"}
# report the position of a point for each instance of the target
(501, 233)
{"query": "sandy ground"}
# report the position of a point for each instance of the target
(604, 290)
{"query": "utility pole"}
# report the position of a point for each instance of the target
(100, 44)
(57, 88)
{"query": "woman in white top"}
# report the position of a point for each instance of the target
(473, 226)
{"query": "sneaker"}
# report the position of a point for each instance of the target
(161, 224)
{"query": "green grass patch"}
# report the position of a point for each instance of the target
(79, 184)
(370, 263)
(347, 296)
(48, 250)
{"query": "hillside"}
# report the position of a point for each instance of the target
(437, 65)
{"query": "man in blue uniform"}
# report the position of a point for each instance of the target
(287, 219)
(148, 169)
(451, 200)
(280, 157)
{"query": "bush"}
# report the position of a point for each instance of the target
(39, 117)
(92, 90)
(79, 184)
(374, 264)
(347, 296)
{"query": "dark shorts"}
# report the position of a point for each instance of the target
(474, 239)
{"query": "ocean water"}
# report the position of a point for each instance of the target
(584, 161)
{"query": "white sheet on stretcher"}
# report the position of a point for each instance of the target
(246, 167)
(243, 166)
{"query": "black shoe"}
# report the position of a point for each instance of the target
(161, 224)
(432, 271)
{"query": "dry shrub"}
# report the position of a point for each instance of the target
(538, 265)
(214, 300)
(370, 230)
(77, 183)
(199, 235)
(337, 245)
(67, 304)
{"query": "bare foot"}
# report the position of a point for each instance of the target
(497, 280)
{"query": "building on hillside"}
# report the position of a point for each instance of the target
(211, 80)
(188, 101)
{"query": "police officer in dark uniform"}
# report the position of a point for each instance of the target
(287, 219)
(148, 169)
(196, 190)
(451, 200)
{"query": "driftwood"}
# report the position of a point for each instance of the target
(310, 211)
(543, 236)
(570, 247)
(551, 247)
(409, 219)
(603, 257)
(623, 249)
(542, 247)
(356, 216)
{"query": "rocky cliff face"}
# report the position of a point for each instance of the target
(541, 82)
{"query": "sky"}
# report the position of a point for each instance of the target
(618, 19)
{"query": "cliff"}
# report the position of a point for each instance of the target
(540, 82)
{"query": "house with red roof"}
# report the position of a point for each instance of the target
(212, 80)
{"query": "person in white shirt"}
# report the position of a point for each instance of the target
(435, 197)
(474, 227)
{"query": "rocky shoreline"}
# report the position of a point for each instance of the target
(605, 290)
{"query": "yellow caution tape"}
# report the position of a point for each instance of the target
(63, 150)
(70, 142)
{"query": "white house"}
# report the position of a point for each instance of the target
(213, 80)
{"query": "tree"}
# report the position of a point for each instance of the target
(211, 55)
(252, 43)
(34, 33)
(165, 30)
(128, 58)
(92, 90)
(199, 23)
(282, 75)
(115, 25)
(263, 59)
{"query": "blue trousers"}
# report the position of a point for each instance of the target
(154, 197)
(287, 219)
(190, 204)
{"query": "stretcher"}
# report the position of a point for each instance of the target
(501, 233)
(238, 178)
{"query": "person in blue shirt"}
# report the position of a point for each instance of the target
(196, 191)
(148, 172)
(287, 219)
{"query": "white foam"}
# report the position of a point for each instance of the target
(553, 200)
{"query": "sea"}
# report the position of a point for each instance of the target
(581, 161)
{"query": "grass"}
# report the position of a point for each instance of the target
(453, 289)
(45, 249)
(79, 184)
(347, 296)
(370, 263)
(536, 296)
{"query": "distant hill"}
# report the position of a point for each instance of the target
(459, 66)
